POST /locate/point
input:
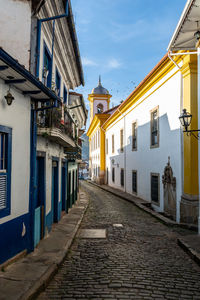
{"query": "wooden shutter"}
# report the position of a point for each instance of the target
(154, 188)
(134, 182)
(3, 191)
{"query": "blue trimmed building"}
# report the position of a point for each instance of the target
(39, 125)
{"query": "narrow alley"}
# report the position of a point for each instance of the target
(138, 259)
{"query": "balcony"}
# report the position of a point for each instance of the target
(57, 126)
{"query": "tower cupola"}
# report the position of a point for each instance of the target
(99, 100)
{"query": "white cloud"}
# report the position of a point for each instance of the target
(88, 62)
(114, 63)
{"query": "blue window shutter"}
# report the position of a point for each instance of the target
(5, 172)
(3, 191)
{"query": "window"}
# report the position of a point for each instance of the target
(155, 188)
(134, 136)
(122, 177)
(113, 143)
(5, 170)
(65, 95)
(154, 128)
(99, 108)
(57, 83)
(47, 67)
(134, 182)
(106, 146)
(122, 140)
(113, 174)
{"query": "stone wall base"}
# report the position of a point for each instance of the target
(189, 209)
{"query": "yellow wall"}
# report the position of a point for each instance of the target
(189, 71)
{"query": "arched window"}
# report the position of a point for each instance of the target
(99, 108)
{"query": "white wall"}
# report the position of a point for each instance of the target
(146, 160)
(17, 116)
(15, 28)
(51, 149)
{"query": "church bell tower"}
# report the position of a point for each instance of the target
(99, 100)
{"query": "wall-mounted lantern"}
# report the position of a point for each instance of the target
(9, 97)
(185, 119)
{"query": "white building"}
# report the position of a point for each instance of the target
(142, 147)
(41, 36)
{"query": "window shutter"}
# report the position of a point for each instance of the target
(134, 182)
(154, 188)
(3, 191)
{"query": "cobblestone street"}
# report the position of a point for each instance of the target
(140, 260)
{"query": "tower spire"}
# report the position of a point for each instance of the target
(99, 80)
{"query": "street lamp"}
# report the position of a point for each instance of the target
(9, 98)
(185, 119)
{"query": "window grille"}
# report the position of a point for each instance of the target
(134, 181)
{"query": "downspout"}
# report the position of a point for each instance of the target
(52, 50)
(39, 25)
(32, 197)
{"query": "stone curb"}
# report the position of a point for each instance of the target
(43, 281)
(156, 215)
(191, 252)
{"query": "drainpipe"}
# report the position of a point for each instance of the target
(39, 25)
(52, 50)
(33, 142)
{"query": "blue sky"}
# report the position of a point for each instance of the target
(122, 40)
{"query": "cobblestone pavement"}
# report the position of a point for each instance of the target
(141, 260)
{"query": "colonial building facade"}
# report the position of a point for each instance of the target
(144, 152)
(40, 132)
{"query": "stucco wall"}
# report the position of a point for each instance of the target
(166, 95)
(15, 24)
(17, 116)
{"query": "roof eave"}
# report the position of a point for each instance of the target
(180, 23)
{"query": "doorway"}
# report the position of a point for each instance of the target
(40, 201)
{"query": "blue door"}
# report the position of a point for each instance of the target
(64, 188)
(55, 183)
(39, 219)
